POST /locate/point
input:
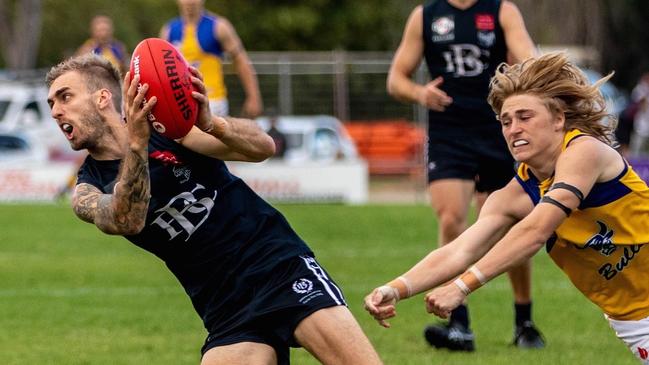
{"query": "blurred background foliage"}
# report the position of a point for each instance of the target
(280, 25)
(616, 29)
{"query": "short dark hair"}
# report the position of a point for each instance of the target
(98, 72)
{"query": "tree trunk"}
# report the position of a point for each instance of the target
(20, 32)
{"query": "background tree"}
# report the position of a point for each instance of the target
(20, 30)
(616, 29)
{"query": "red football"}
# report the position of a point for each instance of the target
(160, 65)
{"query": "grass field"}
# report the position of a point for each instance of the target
(70, 295)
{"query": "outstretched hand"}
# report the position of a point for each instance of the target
(136, 111)
(441, 301)
(381, 302)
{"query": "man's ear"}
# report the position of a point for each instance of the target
(559, 121)
(104, 99)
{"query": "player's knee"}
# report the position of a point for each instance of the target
(451, 223)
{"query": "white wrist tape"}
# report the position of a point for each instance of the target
(387, 290)
(406, 282)
(463, 287)
(478, 274)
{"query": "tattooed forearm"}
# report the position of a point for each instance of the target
(135, 175)
(131, 194)
(124, 211)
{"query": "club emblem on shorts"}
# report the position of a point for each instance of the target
(644, 354)
(302, 286)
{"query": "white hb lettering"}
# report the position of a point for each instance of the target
(464, 60)
(184, 212)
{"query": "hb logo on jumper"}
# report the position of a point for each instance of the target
(464, 60)
(185, 212)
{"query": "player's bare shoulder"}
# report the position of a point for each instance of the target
(511, 200)
(592, 155)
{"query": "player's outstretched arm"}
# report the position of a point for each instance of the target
(445, 263)
(585, 162)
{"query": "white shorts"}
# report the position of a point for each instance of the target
(635, 335)
(219, 107)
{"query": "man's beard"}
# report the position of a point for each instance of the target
(95, 126)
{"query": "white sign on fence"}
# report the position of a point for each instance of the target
(34, 182)
(278, 181)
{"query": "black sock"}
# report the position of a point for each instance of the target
(523, 313)
(461, 315)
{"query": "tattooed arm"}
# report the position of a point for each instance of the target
(124, 211)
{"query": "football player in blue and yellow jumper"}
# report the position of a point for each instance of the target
(573, 193)
(204, 39)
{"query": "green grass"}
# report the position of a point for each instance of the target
(70, 295)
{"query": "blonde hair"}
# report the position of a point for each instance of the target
(97, 71)
(563, 87)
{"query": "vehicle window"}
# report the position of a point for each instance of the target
(11, 143)
(294, 140)
(31, 115)
(326, 144)
(4, 105)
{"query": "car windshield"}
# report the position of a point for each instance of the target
(294, 140)
(4, 105)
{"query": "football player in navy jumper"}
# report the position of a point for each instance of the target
(255, 284)
(462, 42)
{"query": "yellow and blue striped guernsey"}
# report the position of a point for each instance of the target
(200, 47)
(601, 246)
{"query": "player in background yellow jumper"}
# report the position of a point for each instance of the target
(573, 194)
(102, 43)
(204, 38)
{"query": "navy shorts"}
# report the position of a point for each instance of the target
(478, 154)
(292, 290)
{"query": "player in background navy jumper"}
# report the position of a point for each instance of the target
(254, 283)
(463, 41)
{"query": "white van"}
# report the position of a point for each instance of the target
(313, 138)
(24, 110)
